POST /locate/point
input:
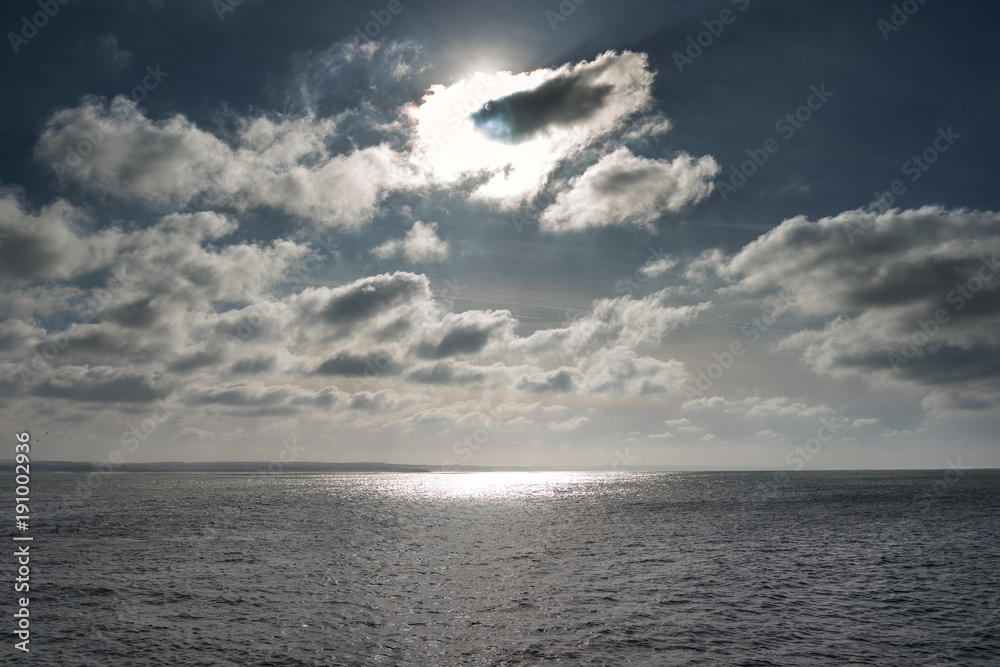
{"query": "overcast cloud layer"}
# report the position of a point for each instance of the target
(567, 251)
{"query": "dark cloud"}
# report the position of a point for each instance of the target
(253, 365)
(457, 341)
(934, 364)
(243, 395)
(367, 298)
(446, 373)
(16, 334)
(198, 359)
(100, 385)
(564, 100)
(617, 181)
(99, 341)
(917, 281)
(23, 255)
(10, 388)
(393, 331)
(47, 243)
(138, 314)
(346, 363)
(327, 398)
(250, 398)
(950, 365)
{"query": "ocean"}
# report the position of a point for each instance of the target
(617, 568)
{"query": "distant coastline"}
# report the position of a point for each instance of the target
(233, 467)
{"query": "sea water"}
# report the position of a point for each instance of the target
(626, 568)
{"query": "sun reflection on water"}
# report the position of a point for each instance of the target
(491, 485)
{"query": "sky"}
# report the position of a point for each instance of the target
(737, 233)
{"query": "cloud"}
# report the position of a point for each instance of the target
(50, 243)
(348, 363)
(573, 424)
(253, 365)
(466, 333)
(759, 406)
(562, 380)
(18, 336)
(249, 393)
(621, 322)
(116, 150)
(905, 258)
(973, 399)
(391, 69)
(511, 131)
(166, 266)
(195, 360)
(771, 435)
(565, 100)
(705, 266)
(657, 267)
(382, 401)
(377, 304)
(421, 244)
(336, 168)
(905, 299)
(106, 48)
(282, 163)
(252, 398)
(101, 384)
(622, 189)
(450, 372)
(621, 371)
(192, 434)
(138, 314)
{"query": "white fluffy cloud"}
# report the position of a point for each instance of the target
(115, 149)
(622, 189)
(421, 244)
(627, 322)
(621, 371)
(282, 163)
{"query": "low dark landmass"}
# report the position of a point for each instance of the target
(218, 467)
(295, 467)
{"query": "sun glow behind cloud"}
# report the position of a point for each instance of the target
(450, 147)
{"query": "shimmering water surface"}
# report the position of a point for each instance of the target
(845, 568)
